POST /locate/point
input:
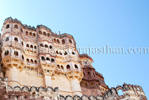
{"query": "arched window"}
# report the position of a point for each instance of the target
(84, 73)
(48, 58)
(16, 39)
(34, 34)
(31, 46)
(58, 66)
(27, 45)
(73, 53)
(42, 58)
(89, 73)
(60, 53)
(30, 33)
(56, 52)
(7, 26)
(22, 57)
(50, 47)
(58, 41)
(34, 47)
(54, 40)
(68, 67)
(65, 53)
(48, 34)
(40, 32)
(35, 61)
(44, 33)
(16, 53)
(46, 45)
(21, 30)
(22, 42)
(70, 41)
(52, 60)
(6, 52)
(16, 26)
(41, 45)
(62, 67)
(31, 60)
(27, 60)
(26, 33)
(63, 41)
(76, 67)
(7, 39)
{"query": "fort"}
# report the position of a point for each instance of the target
(38, 64)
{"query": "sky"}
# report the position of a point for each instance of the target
(96, 24)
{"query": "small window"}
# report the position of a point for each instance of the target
(21, 30)
(30, 33)
(50, 47)
(22, 57)
(52, 60)
(7, 39)
(26, 33)
(63, 41)
(31, 46)
(73, 53)
(34, 47)
(34, 34)
(7, 26)
(48, 34)
(54, 40)
(70, 41)
(76, 67)
(40, 32)
(6, 53)
(31, 61)
(58, 66)
(27, 60)
(42, 58)
(58, 41)
(89, 73)
(46, 45)
(16, 39)
(65, 53)
(41, 45)
(62, 67)
(16, 53)
(48, 58)
(22, 43)
(68, 66)
(56, 52)
(35, 61)
(44, 33)
(27, 45)
(16, 26)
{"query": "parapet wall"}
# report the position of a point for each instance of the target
(130, 92)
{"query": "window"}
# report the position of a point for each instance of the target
(42, 58)
(58, 41)
(16, 26)
(48, 58)
(52, 60)
(6, 53)
(88, 73)
(54, 40)
(22, 43)
(65, 53)
(35, 61)
(73, 53)
(16, 53)
(31, 46)
(40, 32)
(7, 26)
(16, 39)
(34, 47)
(48, 34)
(41, 45)
(31, 61)
(58, 66)
(50, 47)
(68, 67)
(63, 41)
(46, 45)
(26, 33)
(22, 57)
(34, 34)
(70, 41)
(7, 39)
(21, 30)
(27, 45)
(44, 33)
(30, 33)
(27, 60)
(62, 67)
(76, 67)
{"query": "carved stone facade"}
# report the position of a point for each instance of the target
(37, 64)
